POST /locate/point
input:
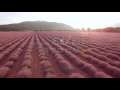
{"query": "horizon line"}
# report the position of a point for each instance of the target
(62, 23)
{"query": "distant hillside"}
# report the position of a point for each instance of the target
(35, 25)
(116, 25)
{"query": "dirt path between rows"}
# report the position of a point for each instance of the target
(36, 70)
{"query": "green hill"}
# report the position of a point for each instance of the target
(35, 25)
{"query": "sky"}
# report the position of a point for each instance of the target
(77, 20)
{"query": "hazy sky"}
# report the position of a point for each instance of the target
(74, 19)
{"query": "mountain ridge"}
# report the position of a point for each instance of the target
(35, 25)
